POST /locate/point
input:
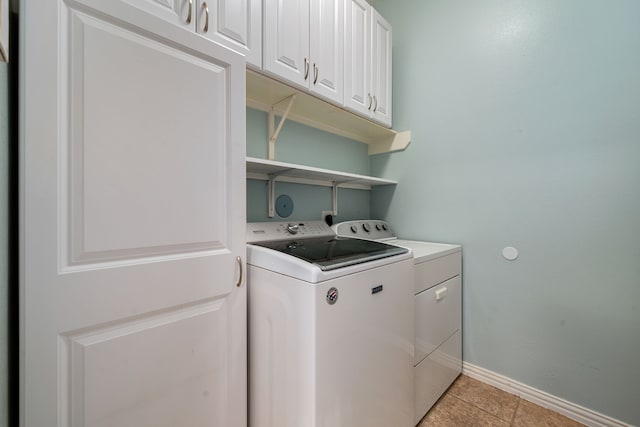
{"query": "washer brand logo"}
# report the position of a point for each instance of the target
(376, 289)
(332, 296)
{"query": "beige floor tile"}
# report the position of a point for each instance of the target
(495, 401)
(450, 411)
(530, 415)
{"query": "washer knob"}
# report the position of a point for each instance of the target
(384, 227)
(378, 227)
(366, 227)
(292, 228)
(354, 229)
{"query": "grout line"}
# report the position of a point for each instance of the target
(449, 393)
(513, 418)
(496, 388)
(481, 409)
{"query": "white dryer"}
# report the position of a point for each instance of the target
(438, 309)
(330, 329)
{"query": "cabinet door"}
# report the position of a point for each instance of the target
(381, 65)
(178, 12)
(357, 60)
(132, 221)
(236, 24)
(326, 48)
(286, 40)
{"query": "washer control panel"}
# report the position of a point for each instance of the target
(369, 229)
(272, 231)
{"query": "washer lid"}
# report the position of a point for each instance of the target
(337, 252)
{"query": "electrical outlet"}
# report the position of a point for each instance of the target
(325, 213)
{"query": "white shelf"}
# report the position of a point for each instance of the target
(288, 172)
(272, 171)
(265, 94)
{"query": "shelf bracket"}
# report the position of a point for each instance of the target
(272, 191)
(334, 198)
(272, 195)
(273, 131)
(334, 195)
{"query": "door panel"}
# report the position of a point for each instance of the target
(100, 361)
(132, 217)
(237, 24)
(286, 44)
(327, 48)
(120, 209)
(357, 63)
(381, 51)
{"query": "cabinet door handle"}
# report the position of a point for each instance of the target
(190, 12)
(206, 17)
(375, 100)
(370, 101)
(239, 260)
(315, 73)
(306, 68)
(441, 293)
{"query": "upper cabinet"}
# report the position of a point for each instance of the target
(327, 64)
(326, 48)
(236, 24)
(381, 66)
(368, 62)
(304, 44)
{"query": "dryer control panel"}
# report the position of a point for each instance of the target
(369, 229)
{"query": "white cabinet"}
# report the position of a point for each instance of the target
(381, 66)
(368, 62)
(132, 227)
(326, 48)
(304, 44)
(286, 40)
(357, 64)
(236, 24)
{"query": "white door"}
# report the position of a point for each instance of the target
(286, 40)
(381, 65)
(236, 24)
(357, 59)
(132, 221)
(326, 48)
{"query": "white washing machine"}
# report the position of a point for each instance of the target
(330, 329)
(438, 309)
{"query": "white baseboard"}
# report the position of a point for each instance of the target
(568, 409)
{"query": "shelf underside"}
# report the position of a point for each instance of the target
(264, 93)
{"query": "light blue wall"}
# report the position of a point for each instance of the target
(303, 145)
(4, 188)
(525, 117)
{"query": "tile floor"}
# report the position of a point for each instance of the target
(469, 402)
